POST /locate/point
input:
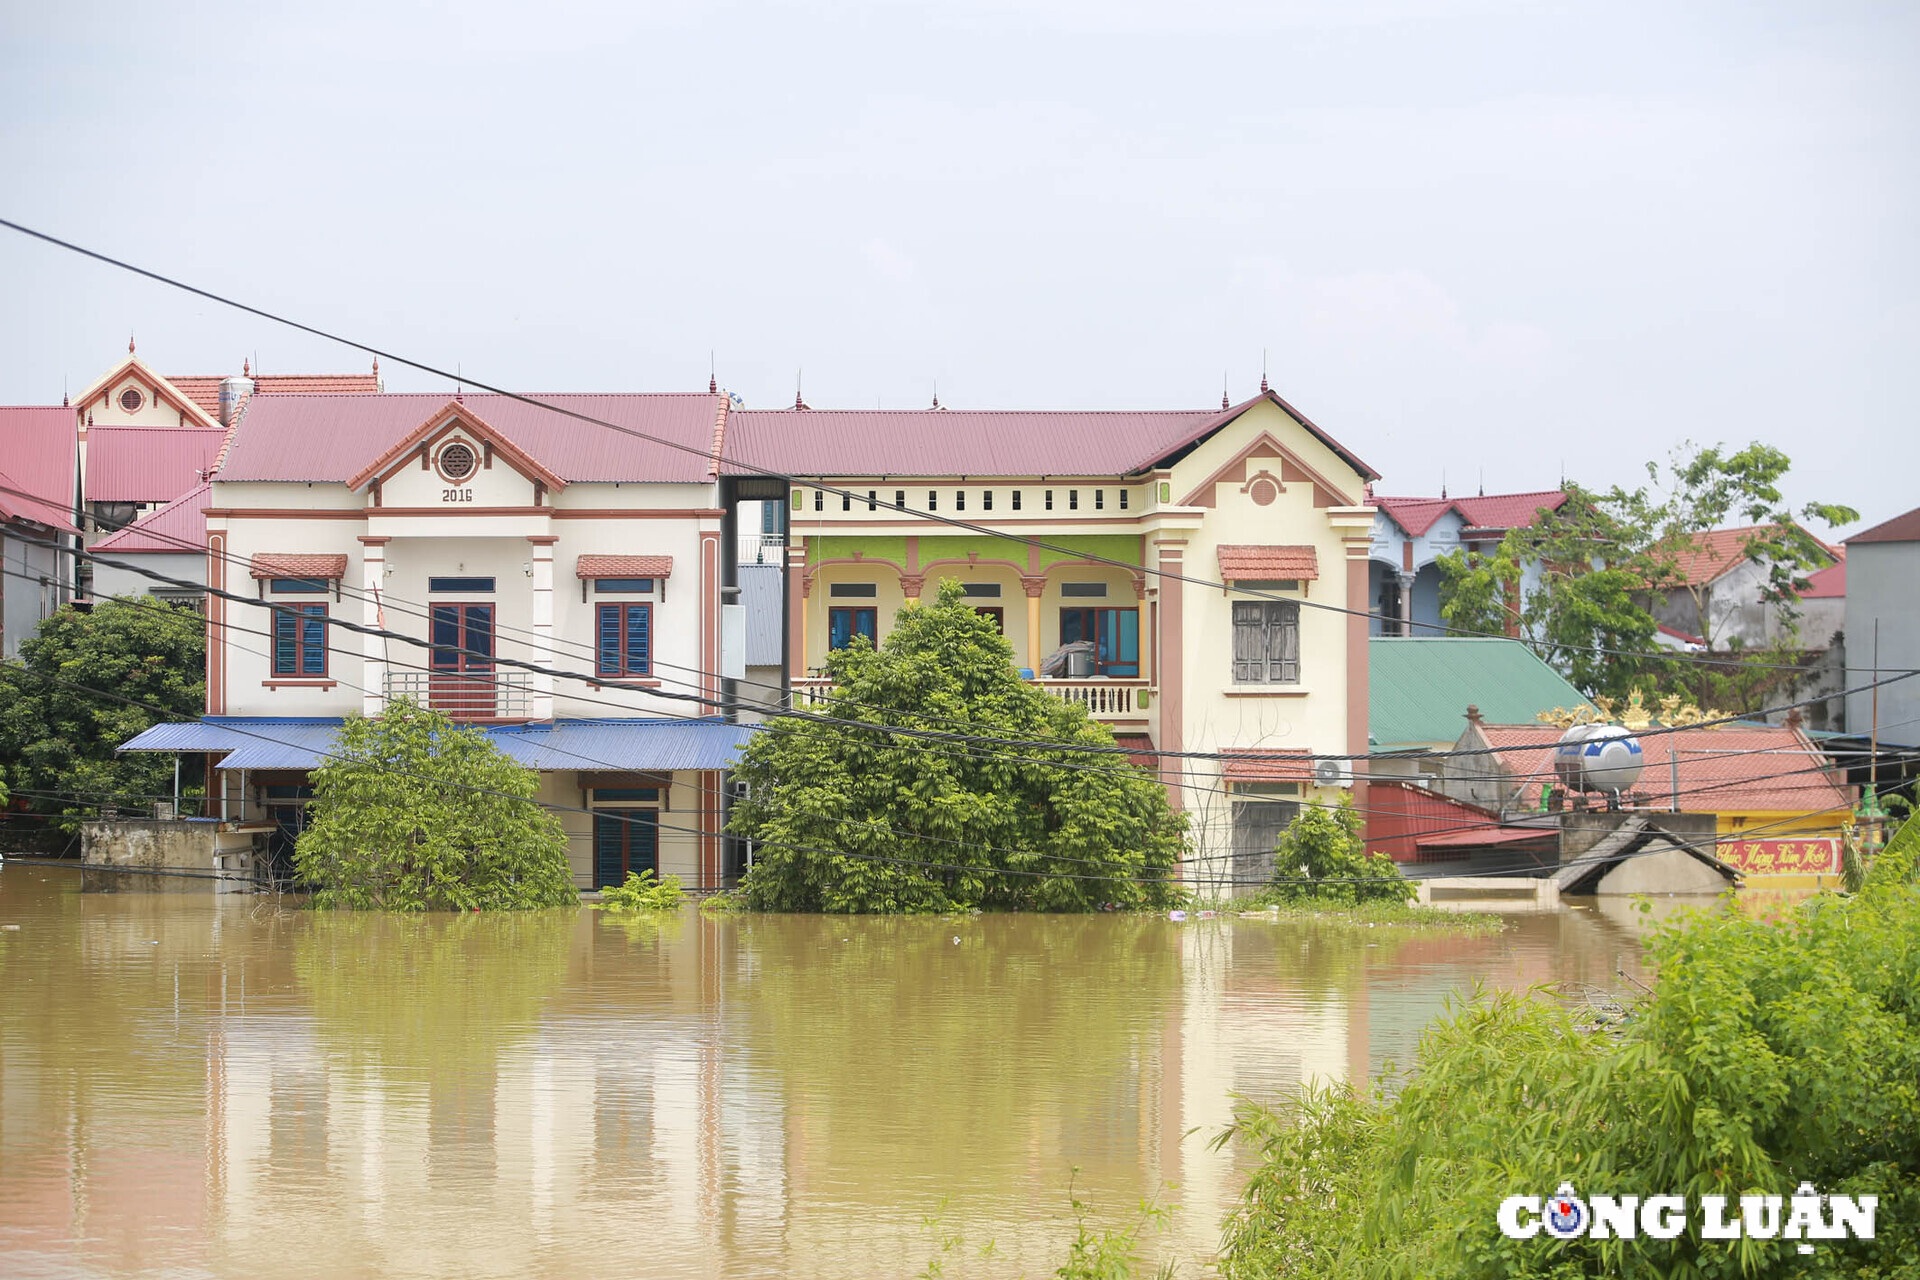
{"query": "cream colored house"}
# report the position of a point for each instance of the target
(549, 579)
(1216, 561)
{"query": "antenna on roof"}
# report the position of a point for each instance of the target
(1483, 482)
(713, 374)
(1224, 404)
(1263, 371)
(459, 383)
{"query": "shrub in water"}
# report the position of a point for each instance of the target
(642, 892)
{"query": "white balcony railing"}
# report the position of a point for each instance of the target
(762, 548)
(1103, 699)
(467, 695)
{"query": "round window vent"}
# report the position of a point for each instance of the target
(1264, 492)
(456, 461)
(131, 399)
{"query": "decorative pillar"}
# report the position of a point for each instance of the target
(1170, 645)
(911, 586)
(1406, 603)
(216, 623)
(1035, 588)
(1357, 620)
(542, 566)
(373, 668)
(799, 586)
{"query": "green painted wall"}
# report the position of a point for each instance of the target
(842, 548)
(1124, 547)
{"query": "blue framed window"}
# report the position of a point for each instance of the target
(300, 640)
(844, 624)
(624, 840)
(614, 795)
(624, 640)
(1115, 634)
(641, 585)
(462, 637)
(473, 586)
(298, 586)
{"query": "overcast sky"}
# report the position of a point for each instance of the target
(1477, 238)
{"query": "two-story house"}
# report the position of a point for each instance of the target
(1205, 571)
(553, 580)
(1411, 534)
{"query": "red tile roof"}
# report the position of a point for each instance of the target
(333, 437)
(1485, 511)
(1248, 563)
(1713, 552)
(1139, 750)
(204, 388)
(1829, 583)
(1278, 765)
(177, 528)
(980, 442)
(1730, 769)
(39, 447)
(1902, 528)
(285, 564)
(147, 464)
(623, 567)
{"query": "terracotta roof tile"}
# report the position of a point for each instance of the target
(1713, 552)
(204, 388)
(623, 567)
(285, 564)
(1288, 765)
(1488, 511)
(1250, 562)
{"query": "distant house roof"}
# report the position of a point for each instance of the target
(1829, 583)
(179, 528)
(1902, 528)
(760, 592)
(1418, 690)
(1492, 511)
(1728, 769)
(148, 464)
(983, 442)
(1252, 563)
(204, 388)
(1713, 552)
(335, 437)
(38, 452)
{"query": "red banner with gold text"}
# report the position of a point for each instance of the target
(1807, 856)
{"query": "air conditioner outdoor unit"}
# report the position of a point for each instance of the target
(1329, 773)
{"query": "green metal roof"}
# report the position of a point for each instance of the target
(1419, 689)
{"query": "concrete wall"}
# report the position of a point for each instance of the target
(26, 602)
(192, 853)
(109, 581)
(1883, 585)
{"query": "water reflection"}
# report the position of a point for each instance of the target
(208, 1088)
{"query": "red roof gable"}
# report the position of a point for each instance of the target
(39, 447)
(147, 464)
(1736, 768)
(1713, 552)
(1484, 511)
(1829, 583)
(180, 526)
(1902, 528)
(981, 442)
(333, 438)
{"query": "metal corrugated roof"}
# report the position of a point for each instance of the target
(1902, 528)
(760, 593)
(1418, 689)
(334, 437)
(38, 448)
(651, 746)
(148, 464)
(980, 442)
(181, 521)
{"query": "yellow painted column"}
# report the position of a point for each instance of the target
(1034, 651)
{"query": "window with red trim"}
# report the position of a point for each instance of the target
(300, 640)
(624, 640)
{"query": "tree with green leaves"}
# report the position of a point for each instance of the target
(1606, 560)
(414, 813)
(850, 816)
(1322, 858)
(59, 743)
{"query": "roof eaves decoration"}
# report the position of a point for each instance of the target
(719, 435)
(441, 421)
(623, 567)
(1328, 494)
(1247, 562)
(1277, 765)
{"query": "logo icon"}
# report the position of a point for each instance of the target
(1566, 1214)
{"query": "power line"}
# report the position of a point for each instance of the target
(716, 460)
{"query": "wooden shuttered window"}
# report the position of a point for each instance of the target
(1266, 642)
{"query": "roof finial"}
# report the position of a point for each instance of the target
(1443, 484)
(376, 368)
(63, 393)
(459, 383)
(798, 403)
(246, 367)
(1263, 371)
(1483, 482)
(1223, 390)
(936, 393)
(713, 374)
(129, 342)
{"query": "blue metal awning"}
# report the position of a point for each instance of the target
(647, 746)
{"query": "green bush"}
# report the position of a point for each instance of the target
(849, 817)
(642, 892)
(417, 814)
(1769, 1052)
(1322, 858)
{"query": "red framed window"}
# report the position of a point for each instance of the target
(624, 640)
(300, 640)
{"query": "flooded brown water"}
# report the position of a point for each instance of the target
(200, 1087)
